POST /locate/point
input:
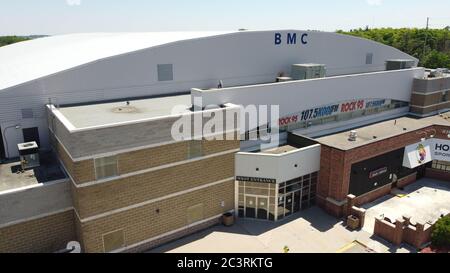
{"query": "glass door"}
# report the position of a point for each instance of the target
(263, 208)
(297, 201)
(289, 204)
(250, 207)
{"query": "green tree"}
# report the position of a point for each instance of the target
(440, 235)
(435, 53)
(436, 59)
(7, 40)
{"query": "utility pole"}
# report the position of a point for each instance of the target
(426, 37)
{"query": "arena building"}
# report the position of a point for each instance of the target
(91, 117)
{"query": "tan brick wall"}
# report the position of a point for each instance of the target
(430, 109)
(171, 153)
(124, 192)
(174, 236)
(424, 100)
(143, 223)
(81, 171)
(47, 234)
(152, 157)
(217, 146)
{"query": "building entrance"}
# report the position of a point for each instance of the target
(269, 201)
(257, 207)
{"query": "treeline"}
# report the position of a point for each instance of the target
(7, 40)
(431, 47)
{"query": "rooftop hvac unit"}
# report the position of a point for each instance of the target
(437, 73)
(29, 155)
(397, 64)
(308, 71)
(353, 135)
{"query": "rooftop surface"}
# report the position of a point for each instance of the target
(424, 201)
(11, 176)
(280, 150)
(382, 130)
(30, 60)
(104, 114)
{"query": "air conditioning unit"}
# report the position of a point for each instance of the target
(437, 73)
(29, 155)
(353, 136)
(307, 71)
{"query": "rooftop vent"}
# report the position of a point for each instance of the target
(436, 73)
(29, 155)
(125, 109)
(353, 135)
(397, 64)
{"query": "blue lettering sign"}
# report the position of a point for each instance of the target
(304, 38)
(319, 112)
(374, 104)
(278, 38)
(292, 38)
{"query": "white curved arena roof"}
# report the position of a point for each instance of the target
(26, 61)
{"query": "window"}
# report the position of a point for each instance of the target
(441, 165)
(27, 113)
(105, 167)
(369, 58)
(31, 134)
(247, 136)
(195, 214)
(165, 72)
(113, 241)
(195, 149)
(444, 96)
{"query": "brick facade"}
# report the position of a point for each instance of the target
(45, 234)
(335, 173)
(139, 200)
(116, 194)
(145, 222)
(373, 195)
(80, 171)
(129, 162)
(438, 174)
(175, 236)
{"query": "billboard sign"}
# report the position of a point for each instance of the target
(441, 150)
(333, 110)
(418, 154)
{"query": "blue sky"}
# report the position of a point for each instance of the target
(24, 17)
